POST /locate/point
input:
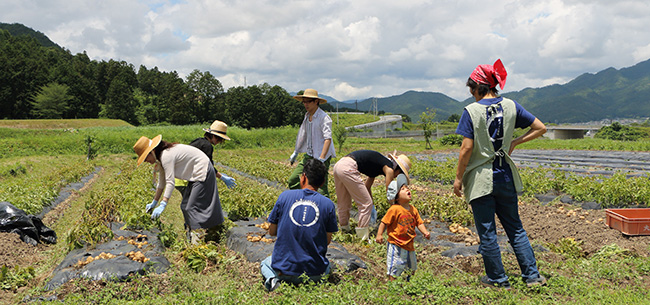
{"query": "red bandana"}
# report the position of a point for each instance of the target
(490, 74)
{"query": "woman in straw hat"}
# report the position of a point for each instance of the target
(487, 175)
(200, 206)
(214, 135)
(350, 185)
(314, 138)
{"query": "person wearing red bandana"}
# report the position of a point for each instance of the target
(487, 176)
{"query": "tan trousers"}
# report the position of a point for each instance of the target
(349, 186)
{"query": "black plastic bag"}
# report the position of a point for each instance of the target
(30, 228)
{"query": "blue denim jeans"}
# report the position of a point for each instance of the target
(268, 272)
(504, 203)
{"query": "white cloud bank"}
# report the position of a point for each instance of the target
(351, 49)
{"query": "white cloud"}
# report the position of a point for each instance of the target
(351, 49)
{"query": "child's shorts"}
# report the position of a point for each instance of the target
(398, 259)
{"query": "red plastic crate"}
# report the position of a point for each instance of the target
(629, 221)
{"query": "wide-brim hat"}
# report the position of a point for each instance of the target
(218, 128)
(310, 93)
(404, 164)
(144, 146)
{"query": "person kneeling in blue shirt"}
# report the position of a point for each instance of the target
(303, 221)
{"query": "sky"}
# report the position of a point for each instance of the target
(350, 49)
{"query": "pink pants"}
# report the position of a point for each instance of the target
(349, 185)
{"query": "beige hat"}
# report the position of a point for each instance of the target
(310, 93)
(218, 128)
(144, 146)
(404, 164)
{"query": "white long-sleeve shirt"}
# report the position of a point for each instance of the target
(183, 162)
(311, 140)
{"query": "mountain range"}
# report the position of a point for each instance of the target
(608, 94)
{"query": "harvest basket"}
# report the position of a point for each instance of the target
(629, 221)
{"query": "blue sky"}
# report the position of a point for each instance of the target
(351, 49)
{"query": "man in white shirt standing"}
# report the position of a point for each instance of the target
(314, 138)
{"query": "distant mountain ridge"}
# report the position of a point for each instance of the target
(608, 94)
(17, 29)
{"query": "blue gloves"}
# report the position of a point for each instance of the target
(321, 160)
(293, 157)
(151, 206)
(229, 181)
(156, 212)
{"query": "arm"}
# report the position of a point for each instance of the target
(161, 184)
(273, 229)
(537, 129)
(329, 237)
(380, 233)
(369, 183)
(424, 231)
(390, 174)
(326, 148)
(463, 159)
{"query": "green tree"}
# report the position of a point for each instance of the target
(616, 131)
(454, 118)
(51, 102)
(426, 121)
(208, 95)
(23, 71)
(340, 135)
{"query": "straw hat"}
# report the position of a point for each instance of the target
(218, 128)
(144, 146)
(310, 93)
(404, 164)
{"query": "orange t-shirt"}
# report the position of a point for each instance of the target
(401, 224)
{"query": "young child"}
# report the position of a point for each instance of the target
(400, 222)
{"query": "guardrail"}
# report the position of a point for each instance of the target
(416, 134)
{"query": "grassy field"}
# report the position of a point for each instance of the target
(49, 158)
(63, 124)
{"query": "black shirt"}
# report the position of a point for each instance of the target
(205, 146)
(370, 162)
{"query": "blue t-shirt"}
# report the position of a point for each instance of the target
(304, 218)
(465, 128)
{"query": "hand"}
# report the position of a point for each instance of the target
(156, 212)
(458, 187)
(379, 239)
(427, 235)
(293, 157)
(321, 159)
(152, 205)
(229, 181)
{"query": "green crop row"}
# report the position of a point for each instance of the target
(616, 190)
(33, 184)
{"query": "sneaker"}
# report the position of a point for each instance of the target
(271, 284)
(485, 281)
(540, 281)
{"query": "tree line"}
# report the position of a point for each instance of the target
(49, 82)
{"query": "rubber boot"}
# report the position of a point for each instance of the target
(363, 233)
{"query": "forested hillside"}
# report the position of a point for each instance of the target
(608, 94)
(40, 81)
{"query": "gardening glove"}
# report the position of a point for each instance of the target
(230, 182)
(151, 206)
(321, 160)
(157, 211)
(392, 191)
(292, 158)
